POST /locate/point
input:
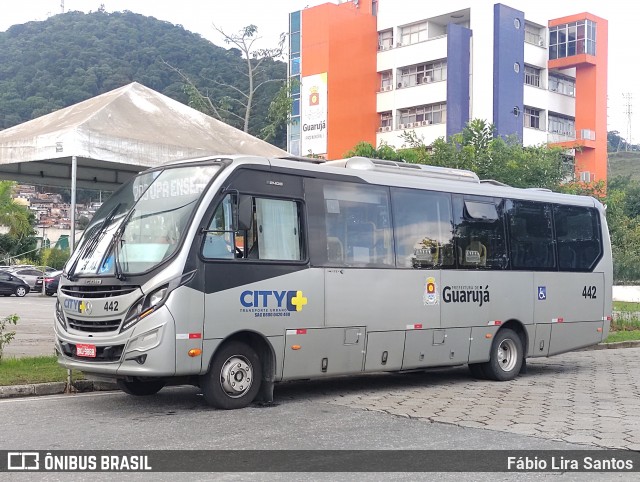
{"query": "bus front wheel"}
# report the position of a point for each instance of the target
(234, 377)
(506, 356)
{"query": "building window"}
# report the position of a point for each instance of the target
(412, 34)
(295, 66)
(534, 35)
(386, 81)
(422, 115)
(386, 120)
(385, 39)
(295, 105)
(295, 85)
(295, 43)
(532, 118)
(573, 38)
(563, 126)
(422, 73)
(294, 22)
(531, 76)
(562, 85)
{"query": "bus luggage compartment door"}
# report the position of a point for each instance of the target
(424, 348)
(321, 352)
(384, 350)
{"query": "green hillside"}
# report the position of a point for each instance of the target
(624, 164)
(71, 57)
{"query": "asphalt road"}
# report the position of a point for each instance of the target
(177, 418)
(34, 331)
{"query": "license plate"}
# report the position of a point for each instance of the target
(88, 351)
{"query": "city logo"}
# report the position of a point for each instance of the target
(272, 301)
(314, 96)
(430, 292)
(79, 306)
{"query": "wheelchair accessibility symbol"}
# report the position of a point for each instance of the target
(542, 293)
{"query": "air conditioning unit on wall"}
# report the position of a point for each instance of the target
(410, 125)
(400, 126)
(387, 129)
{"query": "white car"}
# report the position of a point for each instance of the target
(30, 274)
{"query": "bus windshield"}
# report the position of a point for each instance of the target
(143, 223)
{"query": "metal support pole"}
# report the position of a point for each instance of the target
(72, 240)
(74, 173)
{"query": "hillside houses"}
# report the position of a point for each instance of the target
(50, 210)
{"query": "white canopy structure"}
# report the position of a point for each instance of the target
(101, 142)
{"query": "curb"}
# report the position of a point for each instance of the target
(613, 346)
(54, 388)
(82, 386)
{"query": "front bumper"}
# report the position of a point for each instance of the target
(146, 350)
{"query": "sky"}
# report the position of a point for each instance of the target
(271, 18)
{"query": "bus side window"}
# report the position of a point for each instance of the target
(277, 229)
(480, 233)
(219, 241)
(423, 229)
(531, 235)
(349, 223)
(578, 236)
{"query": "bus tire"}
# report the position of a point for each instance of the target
(139, 388)
(234, 378)
(506, 356)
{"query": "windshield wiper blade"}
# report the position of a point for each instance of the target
(92, 243)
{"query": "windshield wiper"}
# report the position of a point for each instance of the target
(116, 243)
(92, 243)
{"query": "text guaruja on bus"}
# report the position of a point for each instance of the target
(466, 294)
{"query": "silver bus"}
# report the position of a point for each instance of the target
(238, 272)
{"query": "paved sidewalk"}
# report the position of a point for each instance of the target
(586, 397)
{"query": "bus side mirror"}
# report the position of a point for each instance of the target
(244, 213)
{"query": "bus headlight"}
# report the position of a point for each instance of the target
(144, 307)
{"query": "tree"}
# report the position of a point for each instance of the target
(254, 58)
(279, 115)
(239, 107)
(476, 149)
(12, 214)
(54, 257)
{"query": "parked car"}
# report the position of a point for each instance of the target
(12, 285)
(51, 281)
(30, 274)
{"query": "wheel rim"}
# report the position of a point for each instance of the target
(507, 355)
(236, 376)
(20, 291)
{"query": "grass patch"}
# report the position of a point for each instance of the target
(627, 335)
(41, 369)
(626, 306)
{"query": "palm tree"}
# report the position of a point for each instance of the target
(12, 214)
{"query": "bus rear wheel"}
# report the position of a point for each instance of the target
(234, 377)
(140, 388)
(506, 356)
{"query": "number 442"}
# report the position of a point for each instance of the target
(589, 292)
